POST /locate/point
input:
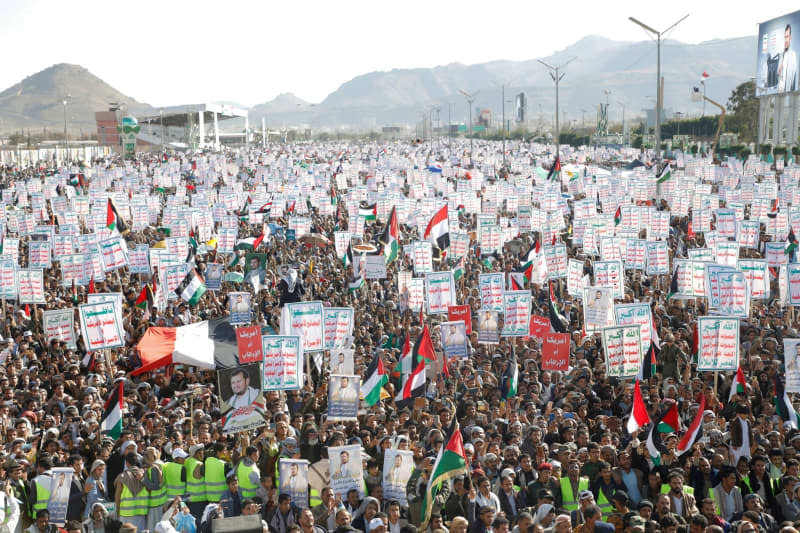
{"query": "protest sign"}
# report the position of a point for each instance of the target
(757, 274)
(139, 260)
(598, 308)
(114, 298)
(637, 314)
(341, 361)
(338, 326)
(459, 244)
(555, 351)
(575, 278)
(422, 253)
(345, 470)
(248, 344)
(113, 253)
(440, 289)
(539, 326)
(60, 485)
(711, 282)
(305, 320)
(488, 327)
(283, 362)
(412, 290)
(793, 282)
(213, 276)
(39, 254)
(343, 397)
(734, 296)
(239, 308)
(8, 279)
(293, 476)
(556, 259)
(610, 274)
(100, 326)
(657, 258)
(516, 313)
(791, 356)
(454, 339)
(718, 343)
(398, 466)
(491, 290)
(462, 313)
(623, 347)
(58, 325)
(241, 398)
(30, 284)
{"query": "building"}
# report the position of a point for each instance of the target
(107, 134)
(191, 126)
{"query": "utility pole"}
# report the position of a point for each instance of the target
(469, 98)
(620, 102)
(583, 120)
(503, 113)
(659, 93)
(557, 77)
(64, 102)
(161, 114)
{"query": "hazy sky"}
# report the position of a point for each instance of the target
(171, 52)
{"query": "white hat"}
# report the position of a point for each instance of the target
(195, 448)
(178, 453)
(375, 523)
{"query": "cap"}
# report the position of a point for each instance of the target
(637, 522)
(620, 495)
(645, 503)
(582, 495)
(751, 496)
(193, 449)
(178, 453)
(562, 519)
(507, 472)
(545, 466)
(375, 523)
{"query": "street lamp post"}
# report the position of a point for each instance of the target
(659, 95)
(557, 77)
(469, 98)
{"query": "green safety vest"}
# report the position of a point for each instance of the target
(665, 488)
(314, 497)
(42, 497)
(245, 485)
(172, 479)
(195, 488)
(602, 502)
(130, 505)
(711, 496)
(157, 497)
(569, 501)
(214, 479)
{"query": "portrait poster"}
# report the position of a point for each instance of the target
(241, 398)
(345, 470)
(343, 397)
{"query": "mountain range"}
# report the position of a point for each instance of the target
(627, 70)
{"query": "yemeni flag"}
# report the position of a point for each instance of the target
(639, 417)
(791, 244)
(111, 422)
(145, 298)
(375, 379)
(423, 348)
(557, 320)
(369, 212)
(192, 288)
(648, 367)
(695, 432)
(113, 220)
(773, 210)
(664, 175)
(783, 405)
(413, 386)
(260, 239)
(655, 446)
(74, 293)
(265, 209)
(438, 230)
(510, 382)
(390, 238)
(739, 385)
(670, 421)
(451, 462)
(555, 170)
(26, 313)
(618, 216)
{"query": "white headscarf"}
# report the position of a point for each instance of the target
(543, 511)
(290, 278)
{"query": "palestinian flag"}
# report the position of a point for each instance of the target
(245, 207)
(390, 238)
(348, 256)
(458, 269)
(192, 288)
(557, 320)
(534, 250)
(791, 243)
(665, 174)
(655, 446)
(438, 229)
(74, 293)
(235, 258)
(648, 367)
(423, 348)
(111, 422)
(113, 220)
(673, 284)
(145, 298)
(510, 381)
(695, 431)
(369, 212)
(618, 216)
(356, 283)
(516, 281)
(451, 462)
(555, 170)
(783, 405)
(639, 417)
(739, 385)
(413, 386)
(670, 422)
(375, 379)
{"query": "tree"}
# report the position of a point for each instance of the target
(743, 106)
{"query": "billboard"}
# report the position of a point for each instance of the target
(778, 44)
(521, 104)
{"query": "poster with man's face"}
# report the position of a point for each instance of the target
(241, 398)
(213, 276)
(598, 308)
(454, 339)
(488, 327)
(791, 355)
(341, 361)
(343, 397)
(239, 308)
(294, 480)
(346, 470)
(255, 265)
(397, 468)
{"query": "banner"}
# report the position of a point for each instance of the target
(412, 290)
(305, 320)
(639, 315)
(491, 288)
(539, 326)
(516, 313)
(610, 274)
(423, 257)
(100, 326)
(30, 284)
(293, 476)
(338, 326)
(734, 296)
(657, 258)
(345, 469)
(555, 351)
(718, 343)
(757, 274)
(58, 325)
(623, 347)
(241, 398)
(8, 279)
(462, 313)
(793, 282)
(239, 308)
(598, 311)
(441, 291)
(283, 362)
(343, 398)
(488, 327)
(454, 339)
(60, 485)
(397, 468)
(248, 344)
(39, 254)
(113, 253)
(139, 260)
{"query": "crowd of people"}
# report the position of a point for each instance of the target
(553, 457)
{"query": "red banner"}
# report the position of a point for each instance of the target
(539, 326)
(460, 312)
(248, 340)
(555, 351)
